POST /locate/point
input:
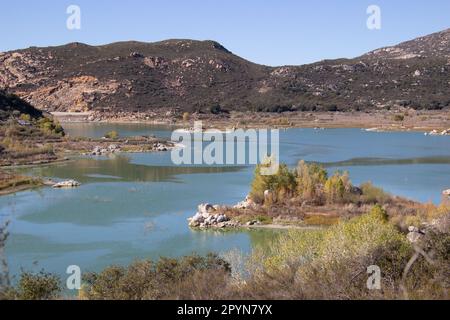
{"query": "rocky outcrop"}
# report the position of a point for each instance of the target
(209, 216)
(100, 151)
(142, 144)
(417, 235)
(215, 217)
(76, 94)
(67, 184)
(248, 203)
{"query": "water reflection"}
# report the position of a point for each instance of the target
(384, 161)
(88, 170)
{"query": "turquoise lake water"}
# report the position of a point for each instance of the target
(135, 206)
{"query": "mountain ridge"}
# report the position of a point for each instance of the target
(197, 76)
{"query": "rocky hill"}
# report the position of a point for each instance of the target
(188, 75)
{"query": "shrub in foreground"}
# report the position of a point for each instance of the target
(165, 279)
(332, 263)
(40, 286)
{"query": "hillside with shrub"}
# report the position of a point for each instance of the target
(202, 76)
(26, 134)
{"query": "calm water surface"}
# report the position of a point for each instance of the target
(136, 206)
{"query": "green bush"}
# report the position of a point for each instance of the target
(25, 117)
(112, 135)
(165, 279)
(332, 263)
(41, 286)
(373, 195)
(355, 237)
(359, 235)
(50, 126)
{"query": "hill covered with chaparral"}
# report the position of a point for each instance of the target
(204, 77)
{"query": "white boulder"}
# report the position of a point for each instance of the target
(67, 184)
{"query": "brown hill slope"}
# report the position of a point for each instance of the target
(197, 75)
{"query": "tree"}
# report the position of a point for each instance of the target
(186, 116)
(336, 186)
(283, 183)
(310, 180)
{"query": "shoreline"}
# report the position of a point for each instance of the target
(11, 183)
(419, 121)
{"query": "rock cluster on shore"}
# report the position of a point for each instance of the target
(248, 203)
(67, 184)
(438, 133)
(129, 146)
(100, 151)
(209, 216)
(160, 147)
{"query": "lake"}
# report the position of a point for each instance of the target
(136, 205)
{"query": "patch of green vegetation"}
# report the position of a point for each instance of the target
(373, 195)
(50, 126)
(321, 220)
(399, 117)
(40, 286)
(332, 263)
(112, 135)
(263, 219)
(166, 278)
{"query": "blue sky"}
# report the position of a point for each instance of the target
(267, 32)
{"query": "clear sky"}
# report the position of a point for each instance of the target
(264, 31)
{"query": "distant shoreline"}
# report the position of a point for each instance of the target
(392, 121)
